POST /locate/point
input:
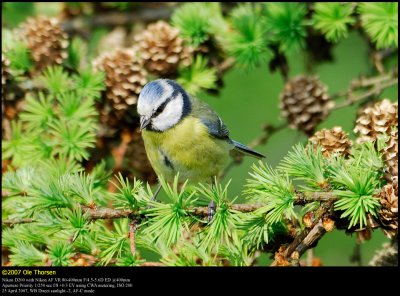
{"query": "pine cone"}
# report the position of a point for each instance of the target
(136, 158)
(334, 140)
(46, 40)
(305, 103)
(162, 49)
(5, 72)
(388, 198)
(125, 78)
(376, 120)
(388, 255)
(390, 156)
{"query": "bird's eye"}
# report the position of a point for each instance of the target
(160, 109)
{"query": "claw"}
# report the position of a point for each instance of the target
(154, 197)
(211, 211)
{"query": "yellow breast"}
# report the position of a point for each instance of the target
(186, 148)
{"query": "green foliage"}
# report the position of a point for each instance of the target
(73, 138)
(74, 108)
(168, 220)
(89, 83)
(248, 43)
(286, 25)
(15, 146)
(357, 188)
(53, 136)
(77, 51)
(25, 254)
(266, 183)
(332, 19)
(15, 12)
(380, 21)
(356, 182)
(55, 193)
(60, 254)
(189, 254)
(195, 22)
(61, 123)
(275, 190)
(129, 260)
(127, 197)
(113, 243)
(258, 231)
(56, 80)
(197, 76)
(237, 254)
(306, 164)
(369, 157)
(224, 224)
(19, 56)
(39, 112)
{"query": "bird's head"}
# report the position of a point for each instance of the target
(162, 104)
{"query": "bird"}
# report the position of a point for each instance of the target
(184, 135)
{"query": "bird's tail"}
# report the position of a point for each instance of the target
(246, 150)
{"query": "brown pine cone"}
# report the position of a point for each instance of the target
(388, 213)
(5, 78)
(125, 78)
(304, 102)
(388, 255)
(390, 156)
(162, 49)
(5, 72)
(46, 40)
(334, 140)
(376, 120)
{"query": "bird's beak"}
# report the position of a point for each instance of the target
(144, 122)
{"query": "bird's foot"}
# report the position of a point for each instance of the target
(154, 197)
(211, 211)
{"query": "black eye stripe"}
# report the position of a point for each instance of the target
(161, 107)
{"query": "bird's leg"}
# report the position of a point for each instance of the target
(211, 205)
(154, 197)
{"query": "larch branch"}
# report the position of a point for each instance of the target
(109, 213)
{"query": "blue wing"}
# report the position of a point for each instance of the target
(217, 128)
(210, 119)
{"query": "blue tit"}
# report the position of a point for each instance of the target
(183, 134)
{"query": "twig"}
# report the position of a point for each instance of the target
(132, 235)
(112, 19)
(356, 256)
(314, 235)
(11, 222)
(268, 131)
(225, 65)
(108, 213)
(378, 57)
(244, 208)
(307, 238)
(152, 264)
(377, 83)
(376, 90)
(310, 257)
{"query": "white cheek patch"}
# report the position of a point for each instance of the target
(170, 116)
